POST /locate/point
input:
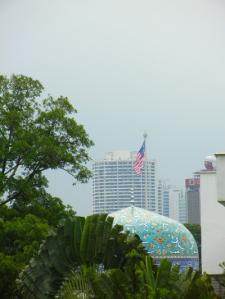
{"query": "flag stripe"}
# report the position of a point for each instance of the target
(139, 159)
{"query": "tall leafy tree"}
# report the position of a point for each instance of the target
(36, 135)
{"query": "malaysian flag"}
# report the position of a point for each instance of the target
(139, 160)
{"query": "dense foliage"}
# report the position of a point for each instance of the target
(36, 135)
(91, 241)
(88, 258)
(162, 282)
(22, 229)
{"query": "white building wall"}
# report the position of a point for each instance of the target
(160, 197)
(183, 208)
(177, 204)
(212, 224)
(174, 203)
(165, 210)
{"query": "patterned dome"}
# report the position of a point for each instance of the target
(162, 237)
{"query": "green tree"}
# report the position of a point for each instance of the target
(37, 135)
(89, 258)
(46, 207)
(23, 227)
(20, 238)
(78, 242)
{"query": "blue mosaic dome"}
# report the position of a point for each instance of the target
(162, 237)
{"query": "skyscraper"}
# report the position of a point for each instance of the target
(171, 201)
(193, 199)
(166, 200)
(175, 203)
(115, 183)
(163, 197)
(160, 190)
(183, 208)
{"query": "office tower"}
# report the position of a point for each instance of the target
(166, 200)
(183, 208)
(177, 204)
(163, 197)
(171, 201)
(115, 183)
(193, 199)
(174, 203)
(160, 196)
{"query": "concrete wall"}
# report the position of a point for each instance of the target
(220, 170)
(212, 224)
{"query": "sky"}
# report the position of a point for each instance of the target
(129, 67)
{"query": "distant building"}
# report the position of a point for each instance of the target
(171, 201)
(174, 203)
(177, 208)
(192, 193)
(183, 208)
(160, 196)
(115, 183)
(166, 200)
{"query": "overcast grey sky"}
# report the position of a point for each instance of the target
(128, 67)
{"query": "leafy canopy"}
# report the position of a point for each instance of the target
(20, 238)
(23, 227)
(37, 135)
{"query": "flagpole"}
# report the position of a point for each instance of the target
(145, 160)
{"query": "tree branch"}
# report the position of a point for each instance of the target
(7, 150)
(14, 195)
(14, 168)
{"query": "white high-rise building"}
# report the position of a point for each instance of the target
(115, 183)
(160, 196)
(174, 203)
(183, 208)
(163, 197)
(177, 205)
(171, 201)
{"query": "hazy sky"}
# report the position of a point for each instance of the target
(128, 66)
